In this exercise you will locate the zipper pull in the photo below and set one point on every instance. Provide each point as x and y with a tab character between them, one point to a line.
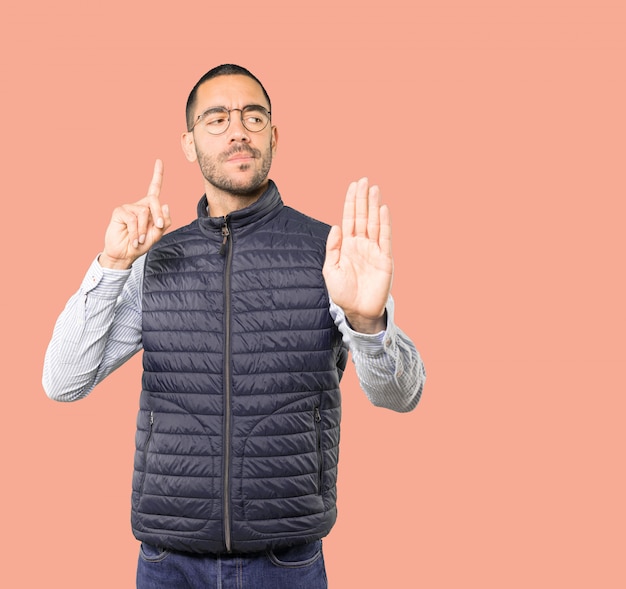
318	417
225	235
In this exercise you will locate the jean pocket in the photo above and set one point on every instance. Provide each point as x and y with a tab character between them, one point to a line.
296	556
151	553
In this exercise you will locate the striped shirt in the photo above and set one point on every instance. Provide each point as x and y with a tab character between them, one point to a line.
100	328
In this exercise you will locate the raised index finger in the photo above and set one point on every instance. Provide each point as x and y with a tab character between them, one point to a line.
154	192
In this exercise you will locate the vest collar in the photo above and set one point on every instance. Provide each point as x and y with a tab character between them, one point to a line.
270	201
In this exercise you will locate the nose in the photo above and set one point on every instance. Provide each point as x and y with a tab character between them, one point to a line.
236	130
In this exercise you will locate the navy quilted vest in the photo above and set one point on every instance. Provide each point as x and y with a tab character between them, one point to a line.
238	428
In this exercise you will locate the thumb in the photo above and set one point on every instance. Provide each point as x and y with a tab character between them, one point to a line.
165	209
333	246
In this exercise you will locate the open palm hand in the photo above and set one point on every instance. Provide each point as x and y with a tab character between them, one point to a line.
359	267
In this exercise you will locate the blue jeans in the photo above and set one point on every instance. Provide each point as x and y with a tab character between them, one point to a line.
299	567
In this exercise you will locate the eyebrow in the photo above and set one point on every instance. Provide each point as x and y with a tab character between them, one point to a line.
213	109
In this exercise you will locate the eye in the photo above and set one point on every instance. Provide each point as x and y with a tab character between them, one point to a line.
215	120
255	118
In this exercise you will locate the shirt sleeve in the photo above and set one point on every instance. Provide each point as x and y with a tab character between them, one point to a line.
99	330
388	365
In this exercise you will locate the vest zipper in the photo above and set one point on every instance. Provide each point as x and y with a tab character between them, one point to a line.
318	439
227	249
225	235
145	454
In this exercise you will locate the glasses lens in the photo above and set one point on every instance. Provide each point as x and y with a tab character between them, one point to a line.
214	121
254	118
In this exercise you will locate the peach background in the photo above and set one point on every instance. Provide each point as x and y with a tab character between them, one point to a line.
496	131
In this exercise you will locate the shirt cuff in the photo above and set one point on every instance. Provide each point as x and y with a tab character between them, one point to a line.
104	283
370	344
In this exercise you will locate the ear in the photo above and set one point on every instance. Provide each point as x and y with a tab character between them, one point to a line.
274	141
189	146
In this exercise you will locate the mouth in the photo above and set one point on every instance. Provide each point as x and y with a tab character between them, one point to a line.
241	155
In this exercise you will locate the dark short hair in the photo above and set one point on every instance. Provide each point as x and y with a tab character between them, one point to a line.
227	69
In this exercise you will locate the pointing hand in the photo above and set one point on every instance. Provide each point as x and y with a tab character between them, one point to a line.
135	227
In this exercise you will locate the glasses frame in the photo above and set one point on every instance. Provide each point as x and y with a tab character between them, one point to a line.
204	113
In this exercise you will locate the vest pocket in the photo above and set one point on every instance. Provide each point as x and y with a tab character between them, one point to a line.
280	477
317	418
145	455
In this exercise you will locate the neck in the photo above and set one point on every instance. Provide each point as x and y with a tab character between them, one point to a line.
222	203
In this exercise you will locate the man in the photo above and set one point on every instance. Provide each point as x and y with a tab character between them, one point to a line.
245	318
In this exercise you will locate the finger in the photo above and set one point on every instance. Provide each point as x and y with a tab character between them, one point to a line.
347	224
384	239
360	216
143	219
154	192
373	216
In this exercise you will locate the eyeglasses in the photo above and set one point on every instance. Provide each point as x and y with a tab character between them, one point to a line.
217	119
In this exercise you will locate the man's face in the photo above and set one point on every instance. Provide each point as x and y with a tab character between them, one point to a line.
238	160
